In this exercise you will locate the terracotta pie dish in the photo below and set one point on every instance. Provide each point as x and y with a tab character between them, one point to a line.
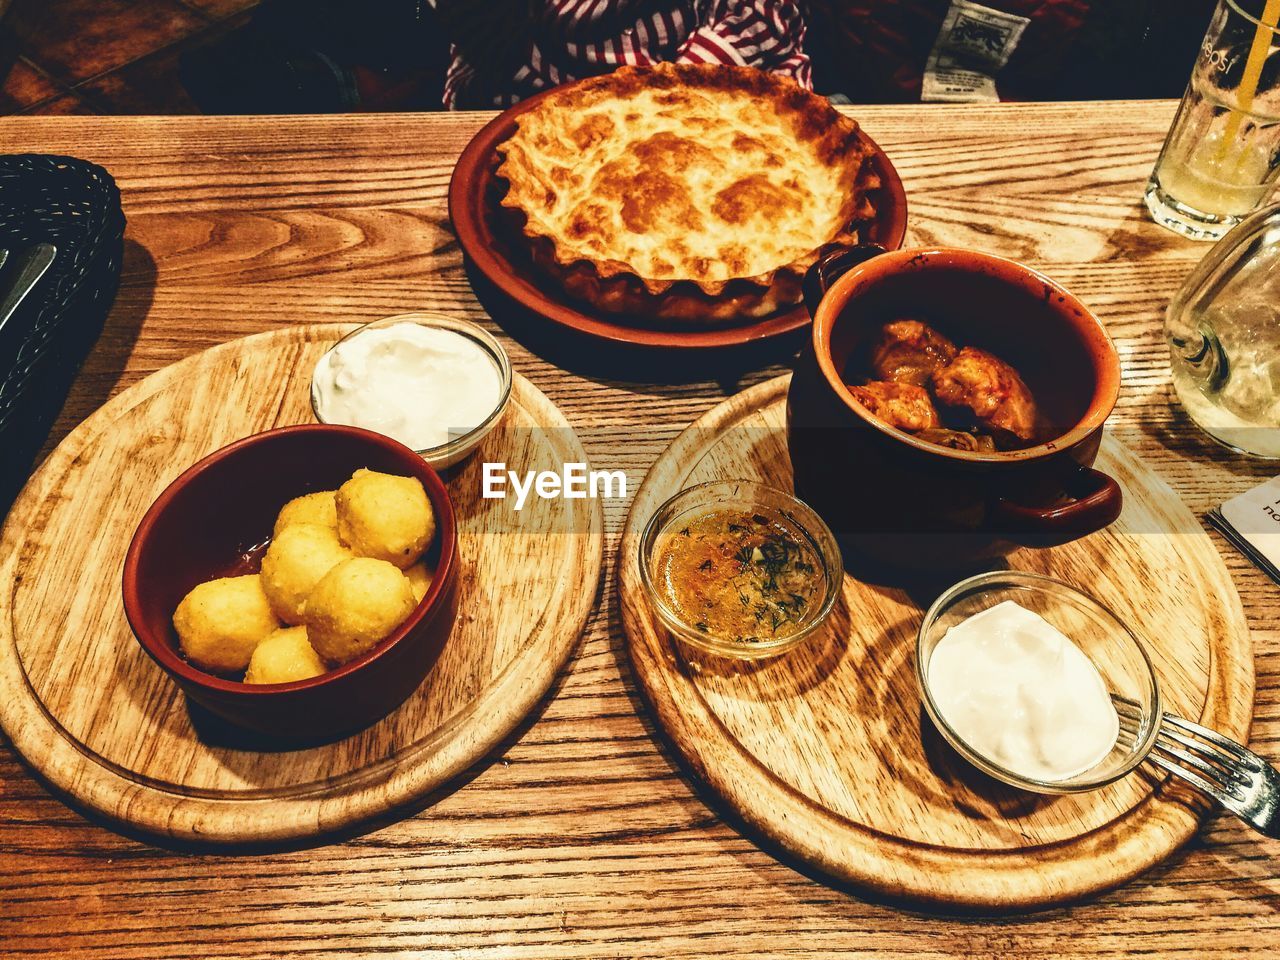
614	303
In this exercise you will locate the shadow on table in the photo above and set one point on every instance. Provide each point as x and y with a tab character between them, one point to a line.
105	363
599	359
1138	237
1180	435
83	389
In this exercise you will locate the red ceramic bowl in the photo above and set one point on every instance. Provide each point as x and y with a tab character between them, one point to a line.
205	522
902	505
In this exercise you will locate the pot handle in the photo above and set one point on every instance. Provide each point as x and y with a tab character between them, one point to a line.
830	266
1096	502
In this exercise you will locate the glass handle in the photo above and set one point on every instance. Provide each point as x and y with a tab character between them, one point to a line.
1206	361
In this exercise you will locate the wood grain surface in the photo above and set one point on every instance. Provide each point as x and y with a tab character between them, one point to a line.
94	715
583	837
825	751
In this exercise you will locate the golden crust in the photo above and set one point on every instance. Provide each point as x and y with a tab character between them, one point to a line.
688	192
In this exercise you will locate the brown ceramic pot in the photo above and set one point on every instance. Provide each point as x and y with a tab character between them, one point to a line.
900	504
225	504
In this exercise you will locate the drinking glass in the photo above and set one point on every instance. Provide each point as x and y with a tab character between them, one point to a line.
1223	328
1222	155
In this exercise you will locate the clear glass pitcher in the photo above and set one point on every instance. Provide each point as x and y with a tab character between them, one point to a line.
1224	338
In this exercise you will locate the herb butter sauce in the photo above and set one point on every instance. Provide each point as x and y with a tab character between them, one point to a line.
741	576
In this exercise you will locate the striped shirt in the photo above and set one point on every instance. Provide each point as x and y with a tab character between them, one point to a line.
570	39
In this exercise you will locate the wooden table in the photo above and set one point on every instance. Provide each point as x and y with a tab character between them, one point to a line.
584	838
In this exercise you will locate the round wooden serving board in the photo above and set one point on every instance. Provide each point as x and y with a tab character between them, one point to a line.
90	711
826	752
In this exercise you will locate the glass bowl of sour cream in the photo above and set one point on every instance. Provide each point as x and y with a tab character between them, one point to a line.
437	384
1021	673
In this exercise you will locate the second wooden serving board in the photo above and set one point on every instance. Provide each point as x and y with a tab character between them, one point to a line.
826	752
99	720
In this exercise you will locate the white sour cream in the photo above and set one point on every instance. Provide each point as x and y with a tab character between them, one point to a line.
1019	692
420	385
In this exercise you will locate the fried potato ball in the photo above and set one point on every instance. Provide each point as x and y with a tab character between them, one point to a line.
420	579
294	563
357	603
221	621
284	656
385	517
316	508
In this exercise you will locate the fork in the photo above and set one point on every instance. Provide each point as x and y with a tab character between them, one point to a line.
1236	777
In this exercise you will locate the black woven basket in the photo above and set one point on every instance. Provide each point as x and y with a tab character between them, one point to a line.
74	205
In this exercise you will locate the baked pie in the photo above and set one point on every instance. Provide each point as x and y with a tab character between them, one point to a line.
696	193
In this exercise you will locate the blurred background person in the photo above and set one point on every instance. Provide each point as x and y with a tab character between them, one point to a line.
312	56
547	42
324	55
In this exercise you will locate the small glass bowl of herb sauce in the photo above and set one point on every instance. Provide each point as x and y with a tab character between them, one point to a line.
740	569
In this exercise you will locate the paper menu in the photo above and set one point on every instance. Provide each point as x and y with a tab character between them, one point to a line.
1251	522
